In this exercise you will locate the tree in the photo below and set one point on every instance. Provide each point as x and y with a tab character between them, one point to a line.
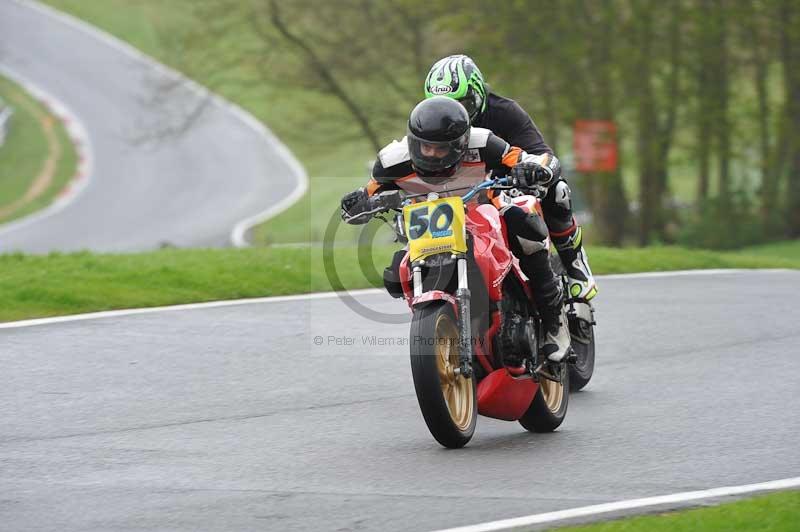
339	48
653	77
789	31
756	35
659	70
565	71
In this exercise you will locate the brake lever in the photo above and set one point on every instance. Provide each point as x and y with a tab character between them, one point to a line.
387	200
365	214
536	191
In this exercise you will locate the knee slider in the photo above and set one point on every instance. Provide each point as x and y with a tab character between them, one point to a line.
563	195
557	207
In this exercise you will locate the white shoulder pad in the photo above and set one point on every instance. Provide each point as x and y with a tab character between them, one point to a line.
394	153
542	159
478	137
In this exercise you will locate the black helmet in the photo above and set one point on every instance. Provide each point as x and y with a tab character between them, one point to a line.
438	138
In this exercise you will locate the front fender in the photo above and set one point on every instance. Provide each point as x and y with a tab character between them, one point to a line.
435	295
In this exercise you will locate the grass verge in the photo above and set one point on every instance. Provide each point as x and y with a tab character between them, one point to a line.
777	512
57	284
38	158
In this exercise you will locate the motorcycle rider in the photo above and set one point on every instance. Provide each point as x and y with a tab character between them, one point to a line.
458	77
441	152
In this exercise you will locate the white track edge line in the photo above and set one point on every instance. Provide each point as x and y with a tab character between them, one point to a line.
239	232
188	306
313	295
631	504
77	134
680	273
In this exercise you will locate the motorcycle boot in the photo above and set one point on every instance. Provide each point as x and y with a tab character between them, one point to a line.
576	263
549	298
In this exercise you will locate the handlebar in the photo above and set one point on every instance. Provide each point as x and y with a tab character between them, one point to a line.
485	185
391	200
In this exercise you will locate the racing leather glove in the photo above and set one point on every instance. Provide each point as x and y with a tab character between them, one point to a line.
354	203
530	174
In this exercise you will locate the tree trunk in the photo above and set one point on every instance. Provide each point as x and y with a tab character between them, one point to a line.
667	129
609	191
769	178
654	133
707	111
722	123
790	56
757	31
646	124
704	123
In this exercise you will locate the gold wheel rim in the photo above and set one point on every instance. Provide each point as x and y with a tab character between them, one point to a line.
456	389
553	393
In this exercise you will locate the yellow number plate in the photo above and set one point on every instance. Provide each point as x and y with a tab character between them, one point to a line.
435	226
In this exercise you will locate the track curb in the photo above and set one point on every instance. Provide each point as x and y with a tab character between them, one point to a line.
78	135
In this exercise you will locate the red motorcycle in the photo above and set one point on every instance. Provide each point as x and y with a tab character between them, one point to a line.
472	310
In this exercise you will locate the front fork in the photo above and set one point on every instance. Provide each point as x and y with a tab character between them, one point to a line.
464	314
464	319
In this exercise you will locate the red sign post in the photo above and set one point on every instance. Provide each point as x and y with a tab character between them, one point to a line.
595	146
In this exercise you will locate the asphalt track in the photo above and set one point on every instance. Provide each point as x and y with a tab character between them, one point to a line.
232	418
147	189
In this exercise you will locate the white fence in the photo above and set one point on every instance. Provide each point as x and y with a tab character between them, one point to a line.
5	119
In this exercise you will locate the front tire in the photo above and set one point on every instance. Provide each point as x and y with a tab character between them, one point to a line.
448	401
549	406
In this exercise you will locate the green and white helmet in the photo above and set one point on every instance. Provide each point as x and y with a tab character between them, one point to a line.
458	77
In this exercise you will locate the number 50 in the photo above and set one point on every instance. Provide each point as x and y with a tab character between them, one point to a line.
440	220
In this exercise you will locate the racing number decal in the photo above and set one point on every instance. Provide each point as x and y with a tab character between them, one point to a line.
439	222
435	226
418	223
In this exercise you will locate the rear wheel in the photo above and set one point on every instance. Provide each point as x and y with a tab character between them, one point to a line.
583	344
447	400
549	406
582	333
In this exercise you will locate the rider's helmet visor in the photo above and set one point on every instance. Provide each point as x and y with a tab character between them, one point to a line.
473	103
434	157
